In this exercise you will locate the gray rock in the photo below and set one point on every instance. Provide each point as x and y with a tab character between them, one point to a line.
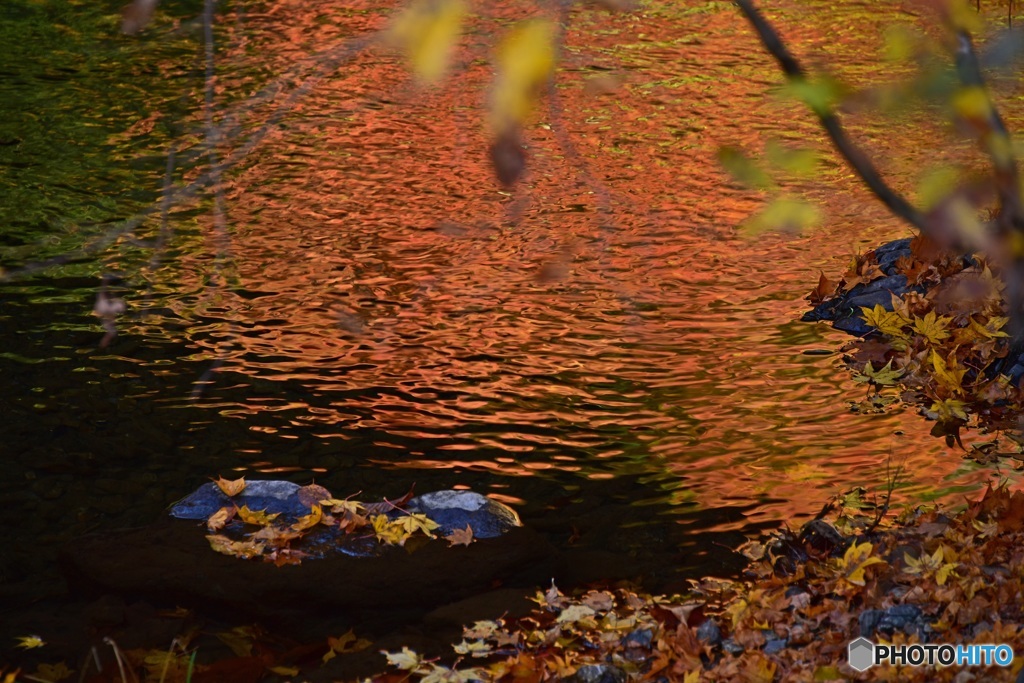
270	495
599	673
709	632
451	510
908	619
774	644
454	510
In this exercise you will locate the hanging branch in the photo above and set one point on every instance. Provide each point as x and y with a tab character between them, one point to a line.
993	134
850	152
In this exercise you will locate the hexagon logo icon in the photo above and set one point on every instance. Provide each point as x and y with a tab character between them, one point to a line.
861	654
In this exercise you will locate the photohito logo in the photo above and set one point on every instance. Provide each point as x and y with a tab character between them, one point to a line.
864	654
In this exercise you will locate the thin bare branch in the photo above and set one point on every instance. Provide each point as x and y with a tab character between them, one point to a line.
853	155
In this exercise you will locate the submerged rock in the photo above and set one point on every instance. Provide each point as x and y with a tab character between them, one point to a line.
274	496
172	562
454	510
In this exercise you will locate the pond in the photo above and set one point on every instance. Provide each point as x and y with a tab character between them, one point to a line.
600	348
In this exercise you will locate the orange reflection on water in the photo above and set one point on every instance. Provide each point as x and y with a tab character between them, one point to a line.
392	288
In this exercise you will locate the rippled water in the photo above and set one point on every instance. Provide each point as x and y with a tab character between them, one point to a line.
600	348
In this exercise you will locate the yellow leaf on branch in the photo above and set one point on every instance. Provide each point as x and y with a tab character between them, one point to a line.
525	61
427	32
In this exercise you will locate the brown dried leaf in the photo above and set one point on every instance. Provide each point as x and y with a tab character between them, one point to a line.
312	494
230	487
460	537
219	519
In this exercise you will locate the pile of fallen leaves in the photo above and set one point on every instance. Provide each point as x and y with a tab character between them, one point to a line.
942	341
928	577
259	534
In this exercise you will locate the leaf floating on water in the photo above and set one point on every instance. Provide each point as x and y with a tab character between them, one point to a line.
460	537
406	660
230	487
313	494
345	643
30	642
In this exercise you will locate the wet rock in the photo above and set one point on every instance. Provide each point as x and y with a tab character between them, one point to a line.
907	619
774	644
599	673
709	633
732	647
888	254
844	311
454	510
270	495
171	563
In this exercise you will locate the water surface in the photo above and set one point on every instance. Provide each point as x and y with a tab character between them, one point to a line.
600	348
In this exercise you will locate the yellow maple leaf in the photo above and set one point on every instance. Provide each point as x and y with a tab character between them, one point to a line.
526	58
991	329
309	521
258	517
932	327
856	559
886	322
230	487
389	531
884	376
30	642
949	372
353	507
949	409
418	522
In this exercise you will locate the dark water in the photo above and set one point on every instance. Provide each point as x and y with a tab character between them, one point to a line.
600	349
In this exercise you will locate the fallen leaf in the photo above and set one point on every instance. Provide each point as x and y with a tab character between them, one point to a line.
309	521
460	536
407	660
241	549
220	518
257	517
29	642
53	672
312	494
230	487
346	642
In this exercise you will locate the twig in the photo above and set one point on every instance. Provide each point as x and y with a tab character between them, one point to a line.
850	152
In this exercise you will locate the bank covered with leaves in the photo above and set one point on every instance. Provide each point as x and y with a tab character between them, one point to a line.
927	577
